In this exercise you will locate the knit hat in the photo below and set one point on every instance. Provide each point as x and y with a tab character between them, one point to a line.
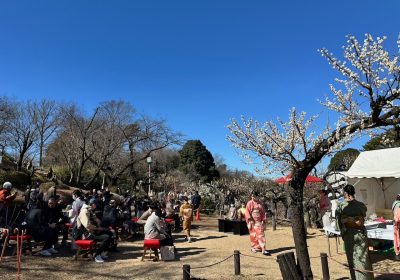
7	185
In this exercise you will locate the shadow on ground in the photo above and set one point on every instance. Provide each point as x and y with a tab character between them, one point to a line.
188	251
278	250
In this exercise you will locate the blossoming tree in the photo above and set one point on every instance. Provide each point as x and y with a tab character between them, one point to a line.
366	98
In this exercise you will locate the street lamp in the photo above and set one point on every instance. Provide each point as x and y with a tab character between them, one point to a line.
149	161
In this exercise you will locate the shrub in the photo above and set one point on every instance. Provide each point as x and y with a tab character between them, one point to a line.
17	178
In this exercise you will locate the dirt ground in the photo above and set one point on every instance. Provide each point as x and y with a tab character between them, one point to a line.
209	247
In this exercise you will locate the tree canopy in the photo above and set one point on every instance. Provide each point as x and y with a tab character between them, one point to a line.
388	139
342	160
197	162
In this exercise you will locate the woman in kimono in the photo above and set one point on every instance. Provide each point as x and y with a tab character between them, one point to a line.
256	222
396	227
186	213
350	218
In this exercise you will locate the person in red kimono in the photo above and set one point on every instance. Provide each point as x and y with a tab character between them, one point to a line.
256	222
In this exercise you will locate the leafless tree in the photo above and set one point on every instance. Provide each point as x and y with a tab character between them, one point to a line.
111	141
22	132
46	122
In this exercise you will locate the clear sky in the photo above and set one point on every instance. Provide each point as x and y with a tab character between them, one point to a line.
194	63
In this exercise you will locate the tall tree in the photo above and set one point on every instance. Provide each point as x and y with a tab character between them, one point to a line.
79	132
342	160
196	161
46	122
22	133
365	98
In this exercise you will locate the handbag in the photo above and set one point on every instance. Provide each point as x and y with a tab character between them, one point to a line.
167	253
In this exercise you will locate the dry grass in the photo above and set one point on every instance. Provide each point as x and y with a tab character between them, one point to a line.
209	247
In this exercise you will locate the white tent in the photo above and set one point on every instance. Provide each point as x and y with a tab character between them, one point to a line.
375	176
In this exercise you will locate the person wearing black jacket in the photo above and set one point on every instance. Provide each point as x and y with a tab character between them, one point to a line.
52	212
41	230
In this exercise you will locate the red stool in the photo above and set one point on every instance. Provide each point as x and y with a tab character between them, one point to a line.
138	228
21	239
84	245
171	222
150	244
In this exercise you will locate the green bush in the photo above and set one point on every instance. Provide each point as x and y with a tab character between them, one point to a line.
62	173
17	178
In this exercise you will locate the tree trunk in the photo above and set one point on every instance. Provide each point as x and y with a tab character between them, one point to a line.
41	144
71	177
298	228
274	207
19	163
93	179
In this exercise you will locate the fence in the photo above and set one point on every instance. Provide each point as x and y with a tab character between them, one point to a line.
287	264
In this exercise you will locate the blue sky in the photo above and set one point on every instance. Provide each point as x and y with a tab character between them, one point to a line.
194	63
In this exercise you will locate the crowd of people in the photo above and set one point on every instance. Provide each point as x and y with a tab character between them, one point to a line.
101	216
97	215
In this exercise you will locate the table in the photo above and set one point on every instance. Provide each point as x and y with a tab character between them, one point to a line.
372	233
381	233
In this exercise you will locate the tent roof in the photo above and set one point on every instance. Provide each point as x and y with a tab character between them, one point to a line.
376	164
288	178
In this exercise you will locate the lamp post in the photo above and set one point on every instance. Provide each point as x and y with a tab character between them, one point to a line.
149	161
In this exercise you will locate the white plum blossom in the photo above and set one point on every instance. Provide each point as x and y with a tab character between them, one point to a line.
366	97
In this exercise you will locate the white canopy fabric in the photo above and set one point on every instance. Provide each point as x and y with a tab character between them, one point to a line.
374	174
376	164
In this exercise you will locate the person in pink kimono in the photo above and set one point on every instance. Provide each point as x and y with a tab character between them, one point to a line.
396	226
256	222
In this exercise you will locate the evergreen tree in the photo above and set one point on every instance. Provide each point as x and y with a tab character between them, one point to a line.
197	162
389	139
342	160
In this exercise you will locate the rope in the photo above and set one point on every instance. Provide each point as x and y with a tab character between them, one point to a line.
263	258
191	275
363	270
227	258
317	257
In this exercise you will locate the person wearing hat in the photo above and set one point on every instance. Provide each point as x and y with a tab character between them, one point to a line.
350	218
256	222
6	197
93	231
